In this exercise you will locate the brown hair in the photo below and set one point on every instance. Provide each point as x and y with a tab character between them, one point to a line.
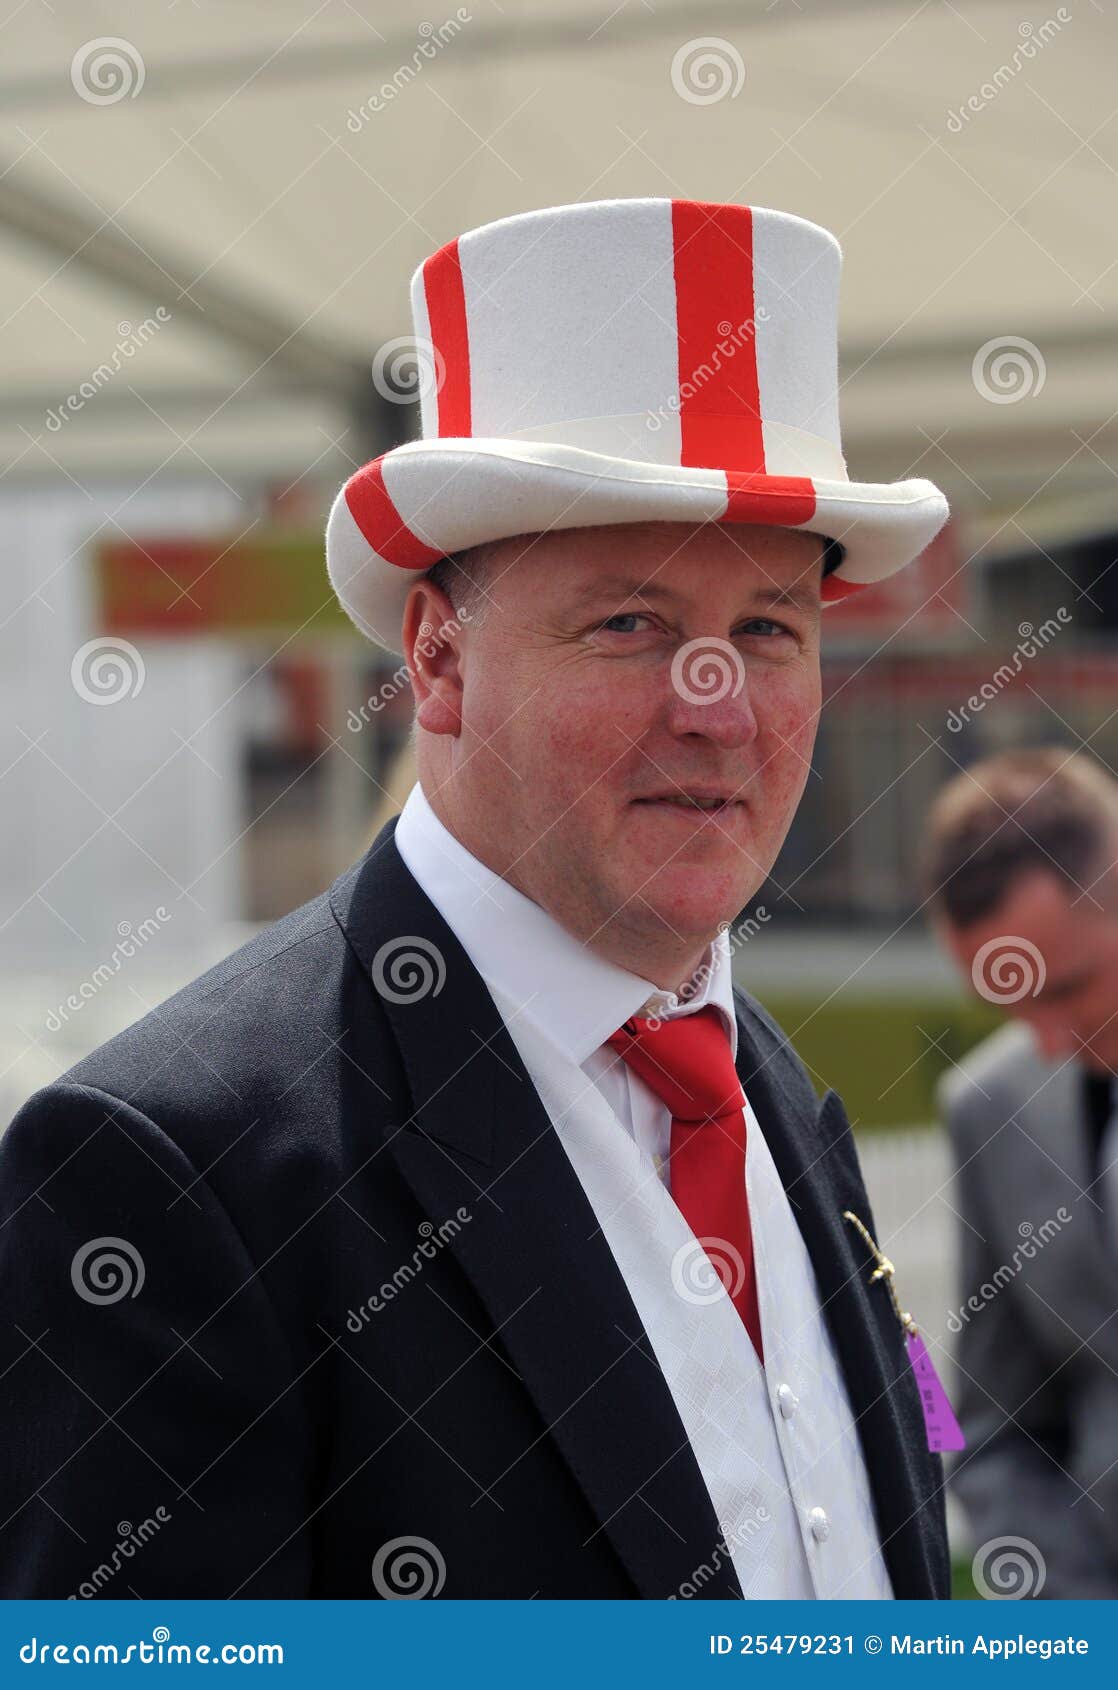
1011	813
462	575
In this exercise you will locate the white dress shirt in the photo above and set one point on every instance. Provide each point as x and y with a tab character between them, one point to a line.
776	1444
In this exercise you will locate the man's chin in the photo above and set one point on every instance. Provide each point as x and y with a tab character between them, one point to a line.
687	904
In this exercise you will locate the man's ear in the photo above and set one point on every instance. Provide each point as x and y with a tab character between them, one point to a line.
431	635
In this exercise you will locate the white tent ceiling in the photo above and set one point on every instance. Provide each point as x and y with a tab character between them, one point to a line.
231	187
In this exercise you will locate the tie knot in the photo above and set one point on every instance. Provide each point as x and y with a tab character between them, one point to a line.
687	1061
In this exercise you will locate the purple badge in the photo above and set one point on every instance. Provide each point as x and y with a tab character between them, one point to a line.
939	1417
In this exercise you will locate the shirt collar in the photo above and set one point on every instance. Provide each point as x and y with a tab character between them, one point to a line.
574	996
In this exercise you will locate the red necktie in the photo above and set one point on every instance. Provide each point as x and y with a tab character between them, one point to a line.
689	1064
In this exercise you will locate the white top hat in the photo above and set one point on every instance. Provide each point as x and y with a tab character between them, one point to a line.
621	361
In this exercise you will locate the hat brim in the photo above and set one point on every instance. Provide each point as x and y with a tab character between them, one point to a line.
401	513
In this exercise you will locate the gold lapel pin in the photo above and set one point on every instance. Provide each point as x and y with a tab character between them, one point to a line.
884	1269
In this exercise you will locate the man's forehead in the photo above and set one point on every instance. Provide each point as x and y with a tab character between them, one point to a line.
665	560
616	586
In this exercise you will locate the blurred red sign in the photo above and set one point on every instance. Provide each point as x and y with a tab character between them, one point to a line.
929	596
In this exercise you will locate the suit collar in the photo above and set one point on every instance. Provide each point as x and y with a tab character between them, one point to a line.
812	1146
478	1135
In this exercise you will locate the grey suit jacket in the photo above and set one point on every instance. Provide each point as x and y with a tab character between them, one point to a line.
1037	1316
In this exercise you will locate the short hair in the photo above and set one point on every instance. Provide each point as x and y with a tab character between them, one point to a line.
462	575
1013	813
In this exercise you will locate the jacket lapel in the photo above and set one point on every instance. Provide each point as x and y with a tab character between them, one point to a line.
813	1149
479	1137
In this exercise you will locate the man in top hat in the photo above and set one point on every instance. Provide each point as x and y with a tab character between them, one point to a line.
468	1232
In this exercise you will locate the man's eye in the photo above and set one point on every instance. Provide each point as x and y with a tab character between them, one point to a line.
621	616
761	626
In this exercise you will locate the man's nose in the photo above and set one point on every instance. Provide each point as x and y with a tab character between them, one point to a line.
709	693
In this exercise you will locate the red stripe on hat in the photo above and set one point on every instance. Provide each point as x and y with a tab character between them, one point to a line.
446	314
720	405
778	501
833	589
381	523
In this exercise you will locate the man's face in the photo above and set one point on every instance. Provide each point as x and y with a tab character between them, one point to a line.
1067	974
617	669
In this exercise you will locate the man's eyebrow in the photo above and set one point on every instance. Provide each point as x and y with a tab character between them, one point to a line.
802	594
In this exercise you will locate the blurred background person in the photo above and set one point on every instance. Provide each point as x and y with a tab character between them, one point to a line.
1021	869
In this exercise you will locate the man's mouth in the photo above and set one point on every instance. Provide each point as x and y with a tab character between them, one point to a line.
713	804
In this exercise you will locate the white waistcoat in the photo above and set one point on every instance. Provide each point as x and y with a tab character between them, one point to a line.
776	1445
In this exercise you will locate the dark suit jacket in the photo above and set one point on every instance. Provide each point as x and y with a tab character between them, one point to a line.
375	1304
